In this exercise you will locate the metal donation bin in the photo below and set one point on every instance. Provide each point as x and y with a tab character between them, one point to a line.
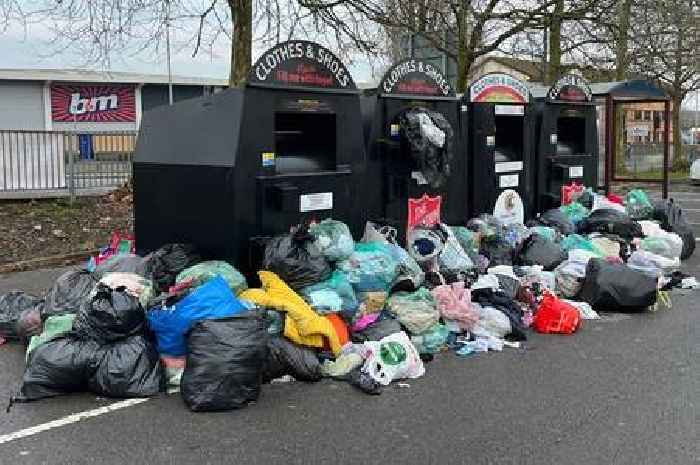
499	125
411	124
567	149
223	170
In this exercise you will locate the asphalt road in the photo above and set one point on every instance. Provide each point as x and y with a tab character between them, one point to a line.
624	390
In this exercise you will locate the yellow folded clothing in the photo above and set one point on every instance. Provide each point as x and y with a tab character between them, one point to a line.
302	325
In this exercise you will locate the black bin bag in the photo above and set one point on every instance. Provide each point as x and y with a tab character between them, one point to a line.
296	260
68	293
110	315
163	265
287	358
557	219
608	221
59	366
14	308
612	287
671	218
536	250
225	363
128	368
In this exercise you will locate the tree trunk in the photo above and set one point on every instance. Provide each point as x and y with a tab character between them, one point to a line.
241	45
554	68
462	72
623	25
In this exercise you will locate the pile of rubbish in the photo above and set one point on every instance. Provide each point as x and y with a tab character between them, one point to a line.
365	312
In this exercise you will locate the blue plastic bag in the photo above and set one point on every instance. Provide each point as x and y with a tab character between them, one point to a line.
371	267
212	300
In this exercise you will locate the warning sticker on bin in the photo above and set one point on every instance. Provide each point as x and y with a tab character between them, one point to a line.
508	180
314	202
575	171
268	158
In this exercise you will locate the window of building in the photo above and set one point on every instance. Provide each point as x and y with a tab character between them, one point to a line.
647	115
637	115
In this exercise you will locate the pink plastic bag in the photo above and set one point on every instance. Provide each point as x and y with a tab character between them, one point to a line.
454	301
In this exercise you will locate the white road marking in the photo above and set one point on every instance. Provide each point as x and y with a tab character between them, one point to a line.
70	419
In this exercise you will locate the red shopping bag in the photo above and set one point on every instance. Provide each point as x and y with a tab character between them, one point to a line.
554	316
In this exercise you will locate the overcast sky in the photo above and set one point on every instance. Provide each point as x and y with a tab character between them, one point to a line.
29	48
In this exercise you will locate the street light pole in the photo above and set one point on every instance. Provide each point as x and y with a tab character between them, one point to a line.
167	46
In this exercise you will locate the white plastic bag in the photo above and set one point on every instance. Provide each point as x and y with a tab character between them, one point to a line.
600	202
434	134
392	358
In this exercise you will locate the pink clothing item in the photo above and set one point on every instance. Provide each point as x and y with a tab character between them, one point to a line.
364	322
454	303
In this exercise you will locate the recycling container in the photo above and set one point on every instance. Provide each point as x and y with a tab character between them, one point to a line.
567	148
499	127
412	129
224	170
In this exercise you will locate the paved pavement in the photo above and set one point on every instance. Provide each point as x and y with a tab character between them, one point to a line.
624	390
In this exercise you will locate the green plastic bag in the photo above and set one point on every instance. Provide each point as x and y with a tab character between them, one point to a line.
332	295
575	241
371	267
333	239
53	326
431	341
638	205
468	239
417	311
544	231
205	271
575	211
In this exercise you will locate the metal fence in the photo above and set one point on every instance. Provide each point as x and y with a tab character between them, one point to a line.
61	163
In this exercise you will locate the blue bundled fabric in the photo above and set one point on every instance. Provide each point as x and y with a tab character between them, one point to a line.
214	299
371	267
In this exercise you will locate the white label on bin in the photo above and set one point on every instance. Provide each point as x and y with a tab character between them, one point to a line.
268	159
490	141
553	139
464	108
419	177
394	130
313	202
508	166
510	110
575	171
508	180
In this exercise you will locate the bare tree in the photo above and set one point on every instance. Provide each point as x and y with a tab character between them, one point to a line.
100	29
665	46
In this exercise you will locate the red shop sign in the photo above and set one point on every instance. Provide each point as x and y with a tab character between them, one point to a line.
93	103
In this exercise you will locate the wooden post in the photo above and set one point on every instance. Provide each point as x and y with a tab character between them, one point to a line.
667	147
609	142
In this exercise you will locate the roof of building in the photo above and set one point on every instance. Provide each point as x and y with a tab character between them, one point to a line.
115	77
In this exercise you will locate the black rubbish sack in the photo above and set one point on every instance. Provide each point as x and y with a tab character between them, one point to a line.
612	287
378	330
68	293
497	250
506	305
59	366
163	265
128	368
362	381
287	358
110	315
671	218
125	263
296	260
224	363
16	307
608	221
430	137
537	250
557	219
